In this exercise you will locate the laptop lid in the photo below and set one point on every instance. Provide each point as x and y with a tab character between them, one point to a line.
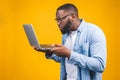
28	28
30	33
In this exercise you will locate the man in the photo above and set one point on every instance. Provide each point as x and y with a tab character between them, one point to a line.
83	53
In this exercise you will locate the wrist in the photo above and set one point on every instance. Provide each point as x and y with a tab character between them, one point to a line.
68	54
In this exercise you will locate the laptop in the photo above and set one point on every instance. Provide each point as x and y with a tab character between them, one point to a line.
32	38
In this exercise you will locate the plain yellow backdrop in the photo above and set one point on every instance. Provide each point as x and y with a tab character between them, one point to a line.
19	61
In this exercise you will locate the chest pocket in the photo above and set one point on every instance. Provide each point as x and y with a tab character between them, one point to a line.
82	44
84	48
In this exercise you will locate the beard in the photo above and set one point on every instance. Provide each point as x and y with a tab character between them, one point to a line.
67	27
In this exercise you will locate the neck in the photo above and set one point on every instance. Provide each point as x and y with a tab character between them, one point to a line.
76	24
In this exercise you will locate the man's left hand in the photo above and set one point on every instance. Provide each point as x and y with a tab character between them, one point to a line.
61	50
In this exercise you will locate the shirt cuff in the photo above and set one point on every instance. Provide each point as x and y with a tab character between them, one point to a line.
73	58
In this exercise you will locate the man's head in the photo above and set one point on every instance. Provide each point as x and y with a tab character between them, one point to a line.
67	18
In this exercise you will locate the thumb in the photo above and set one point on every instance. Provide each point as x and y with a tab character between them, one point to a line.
58	45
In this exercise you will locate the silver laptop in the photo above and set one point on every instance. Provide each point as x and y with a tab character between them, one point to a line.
30	33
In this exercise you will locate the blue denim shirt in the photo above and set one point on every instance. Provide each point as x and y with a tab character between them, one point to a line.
89	53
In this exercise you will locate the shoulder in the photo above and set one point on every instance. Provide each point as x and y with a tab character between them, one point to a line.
92	32
87	27
93	27
95	32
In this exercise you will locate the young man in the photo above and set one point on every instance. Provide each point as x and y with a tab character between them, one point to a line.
83	51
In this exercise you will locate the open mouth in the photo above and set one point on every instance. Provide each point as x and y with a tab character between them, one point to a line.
60	28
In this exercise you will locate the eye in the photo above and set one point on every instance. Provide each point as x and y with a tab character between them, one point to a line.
60	19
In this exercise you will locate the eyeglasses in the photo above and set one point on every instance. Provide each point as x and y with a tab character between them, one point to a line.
60	19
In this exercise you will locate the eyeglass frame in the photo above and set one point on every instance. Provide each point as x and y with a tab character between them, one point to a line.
60	19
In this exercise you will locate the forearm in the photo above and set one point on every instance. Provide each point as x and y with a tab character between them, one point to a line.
92	63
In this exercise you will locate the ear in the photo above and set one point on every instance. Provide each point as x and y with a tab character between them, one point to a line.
72	17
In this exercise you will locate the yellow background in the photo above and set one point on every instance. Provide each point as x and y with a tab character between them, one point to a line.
18	60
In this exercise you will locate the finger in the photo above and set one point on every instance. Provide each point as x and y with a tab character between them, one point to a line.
52	45
34	47
54	49
58	45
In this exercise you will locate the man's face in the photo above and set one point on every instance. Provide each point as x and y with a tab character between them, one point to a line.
63	21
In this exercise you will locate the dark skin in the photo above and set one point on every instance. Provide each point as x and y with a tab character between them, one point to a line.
58	49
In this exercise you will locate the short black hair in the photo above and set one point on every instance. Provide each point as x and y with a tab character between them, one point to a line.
68	7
